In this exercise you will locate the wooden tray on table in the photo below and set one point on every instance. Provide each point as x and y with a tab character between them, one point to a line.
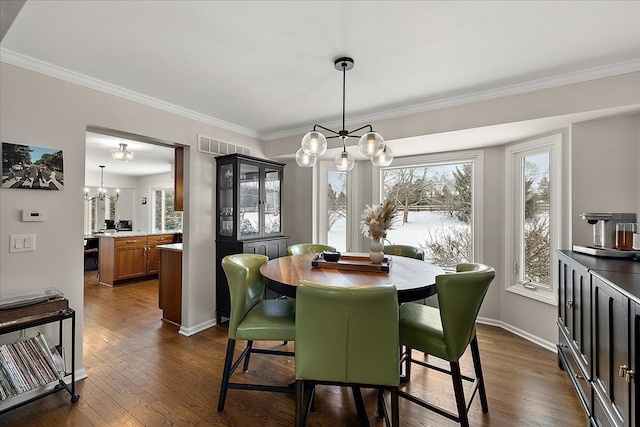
352	261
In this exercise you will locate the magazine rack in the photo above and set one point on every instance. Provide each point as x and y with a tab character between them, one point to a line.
38	320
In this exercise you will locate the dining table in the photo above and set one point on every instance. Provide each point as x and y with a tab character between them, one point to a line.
414	279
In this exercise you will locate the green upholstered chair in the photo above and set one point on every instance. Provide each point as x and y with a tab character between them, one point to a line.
253	319
405	251
448	331
347	337
308	248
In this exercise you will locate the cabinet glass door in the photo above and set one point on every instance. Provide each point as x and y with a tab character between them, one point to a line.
272	201
249	187
225	199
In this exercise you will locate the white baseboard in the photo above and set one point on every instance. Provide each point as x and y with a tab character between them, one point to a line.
484	320
187	332
519	332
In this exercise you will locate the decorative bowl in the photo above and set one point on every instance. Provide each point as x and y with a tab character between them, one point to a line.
331	256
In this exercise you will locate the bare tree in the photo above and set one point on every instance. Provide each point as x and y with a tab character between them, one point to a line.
337	206
448	246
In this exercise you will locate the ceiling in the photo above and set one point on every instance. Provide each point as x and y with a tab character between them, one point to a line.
149	159
265	68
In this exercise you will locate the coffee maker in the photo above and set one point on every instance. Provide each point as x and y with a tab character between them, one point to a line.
604	235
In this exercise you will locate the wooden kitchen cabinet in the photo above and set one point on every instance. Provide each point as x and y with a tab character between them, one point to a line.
153	255
131	257
170	283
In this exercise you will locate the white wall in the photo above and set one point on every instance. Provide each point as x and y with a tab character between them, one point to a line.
605	170
44	111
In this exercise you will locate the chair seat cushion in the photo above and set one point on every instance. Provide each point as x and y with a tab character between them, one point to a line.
269	320
421	328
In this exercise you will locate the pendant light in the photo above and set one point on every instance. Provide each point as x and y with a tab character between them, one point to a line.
314	143
383	159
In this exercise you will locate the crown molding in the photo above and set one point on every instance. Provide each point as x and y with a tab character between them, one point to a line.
51	70
610	70
32	64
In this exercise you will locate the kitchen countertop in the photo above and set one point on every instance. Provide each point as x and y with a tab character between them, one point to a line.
177	247
134	233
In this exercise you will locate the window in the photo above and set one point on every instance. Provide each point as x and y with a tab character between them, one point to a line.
163	216
334	207
337	210
438	201
533	216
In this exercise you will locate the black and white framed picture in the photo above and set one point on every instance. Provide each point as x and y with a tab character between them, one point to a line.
31	168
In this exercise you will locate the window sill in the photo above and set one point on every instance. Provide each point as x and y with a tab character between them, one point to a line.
544	296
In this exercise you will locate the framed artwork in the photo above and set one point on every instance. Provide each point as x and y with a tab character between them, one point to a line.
28	167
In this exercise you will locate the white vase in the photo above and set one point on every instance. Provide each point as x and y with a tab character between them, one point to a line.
375	251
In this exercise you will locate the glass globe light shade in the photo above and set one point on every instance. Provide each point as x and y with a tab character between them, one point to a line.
314	143
305	160
371	144
345	162
384	158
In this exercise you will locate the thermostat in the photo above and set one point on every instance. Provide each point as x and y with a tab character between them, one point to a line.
33	216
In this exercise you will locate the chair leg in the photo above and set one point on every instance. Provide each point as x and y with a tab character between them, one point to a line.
381	408
407	366
475	353
300	405
360	409
226	373
459	392
245	367
395	410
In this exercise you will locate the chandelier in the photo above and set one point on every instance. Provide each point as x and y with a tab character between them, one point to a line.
102	192
371	144
122	153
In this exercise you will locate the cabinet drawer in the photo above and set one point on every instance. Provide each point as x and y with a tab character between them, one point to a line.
576	374
601	416
124	242
161	239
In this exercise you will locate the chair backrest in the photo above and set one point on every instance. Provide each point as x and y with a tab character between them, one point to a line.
460	296
308	248
246	286
405	251
347	335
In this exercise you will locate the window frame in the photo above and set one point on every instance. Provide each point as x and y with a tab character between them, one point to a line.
154	200
514	217
476	158
323	169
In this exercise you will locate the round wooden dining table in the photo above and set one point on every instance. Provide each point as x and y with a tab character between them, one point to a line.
414	279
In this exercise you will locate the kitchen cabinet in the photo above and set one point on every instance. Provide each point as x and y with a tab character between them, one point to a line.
249	220
170	282
130	257
599	335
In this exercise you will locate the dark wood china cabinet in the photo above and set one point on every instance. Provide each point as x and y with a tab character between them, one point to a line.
249	215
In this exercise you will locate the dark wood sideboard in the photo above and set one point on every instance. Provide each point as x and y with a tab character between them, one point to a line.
599	334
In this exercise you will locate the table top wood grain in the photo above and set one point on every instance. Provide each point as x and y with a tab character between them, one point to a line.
413	278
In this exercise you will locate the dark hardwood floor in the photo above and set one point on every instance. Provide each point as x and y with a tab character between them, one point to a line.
141	372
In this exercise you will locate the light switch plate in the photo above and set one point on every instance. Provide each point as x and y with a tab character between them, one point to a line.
22	243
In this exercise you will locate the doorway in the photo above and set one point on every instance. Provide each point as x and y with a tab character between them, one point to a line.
122	196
